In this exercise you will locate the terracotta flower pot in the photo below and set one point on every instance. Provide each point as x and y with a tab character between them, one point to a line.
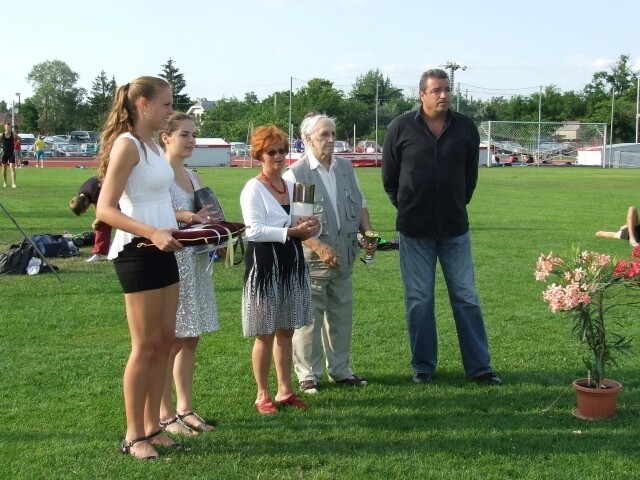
596	403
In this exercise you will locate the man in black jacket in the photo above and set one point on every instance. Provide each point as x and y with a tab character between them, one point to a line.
429	171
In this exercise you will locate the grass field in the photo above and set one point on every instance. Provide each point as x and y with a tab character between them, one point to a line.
63	346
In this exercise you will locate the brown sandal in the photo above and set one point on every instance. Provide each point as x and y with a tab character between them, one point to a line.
200	427
173	446
125	448
178	421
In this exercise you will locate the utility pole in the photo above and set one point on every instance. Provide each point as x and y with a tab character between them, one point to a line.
18	111
46	114
637	106
377	102
452	67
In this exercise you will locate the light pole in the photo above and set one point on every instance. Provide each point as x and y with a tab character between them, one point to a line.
452	67
18	95
637	106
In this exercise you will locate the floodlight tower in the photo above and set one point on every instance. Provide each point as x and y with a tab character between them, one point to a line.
452	67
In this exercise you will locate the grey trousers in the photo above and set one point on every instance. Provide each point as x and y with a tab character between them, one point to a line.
332	300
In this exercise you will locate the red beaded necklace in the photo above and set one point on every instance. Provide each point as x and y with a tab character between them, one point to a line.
284	185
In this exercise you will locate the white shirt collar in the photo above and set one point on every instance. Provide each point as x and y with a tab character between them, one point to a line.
314	163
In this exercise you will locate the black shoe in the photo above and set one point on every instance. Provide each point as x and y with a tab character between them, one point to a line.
354	381
488	378
422	377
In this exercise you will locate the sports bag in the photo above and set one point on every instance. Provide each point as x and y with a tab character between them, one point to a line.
15	260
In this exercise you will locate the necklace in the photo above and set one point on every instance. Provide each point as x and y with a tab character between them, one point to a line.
284	185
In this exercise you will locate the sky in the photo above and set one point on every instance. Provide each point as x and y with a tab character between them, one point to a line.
226	48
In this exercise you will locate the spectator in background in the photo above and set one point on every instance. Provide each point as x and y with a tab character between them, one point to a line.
630	231
88	195
39	147
8	156
17	147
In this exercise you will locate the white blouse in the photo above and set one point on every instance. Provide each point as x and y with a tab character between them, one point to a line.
263	215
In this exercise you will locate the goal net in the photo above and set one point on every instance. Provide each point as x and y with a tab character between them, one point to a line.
543	143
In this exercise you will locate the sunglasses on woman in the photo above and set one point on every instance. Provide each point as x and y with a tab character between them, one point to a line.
274	152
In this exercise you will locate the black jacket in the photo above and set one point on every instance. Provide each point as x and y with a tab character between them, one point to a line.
430	181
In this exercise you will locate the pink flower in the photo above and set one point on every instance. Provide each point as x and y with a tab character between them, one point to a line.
545	265
587	288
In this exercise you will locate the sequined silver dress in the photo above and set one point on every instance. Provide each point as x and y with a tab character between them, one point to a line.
197	310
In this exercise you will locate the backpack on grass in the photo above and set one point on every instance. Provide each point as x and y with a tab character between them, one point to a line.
15	260
52	245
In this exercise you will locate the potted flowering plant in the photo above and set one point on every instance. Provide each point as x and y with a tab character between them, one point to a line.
590	287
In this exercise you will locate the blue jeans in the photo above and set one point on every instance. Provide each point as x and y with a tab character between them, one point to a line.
418	257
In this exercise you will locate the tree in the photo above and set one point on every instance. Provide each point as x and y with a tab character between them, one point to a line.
55	95
100	100
30	115
175	79
620	83
364	89
228	119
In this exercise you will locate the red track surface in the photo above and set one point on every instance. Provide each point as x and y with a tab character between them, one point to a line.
87	162
357	159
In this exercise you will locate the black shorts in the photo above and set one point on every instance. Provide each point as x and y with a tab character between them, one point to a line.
10	158
624	233
142	269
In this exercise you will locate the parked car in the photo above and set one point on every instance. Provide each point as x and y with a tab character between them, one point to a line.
551	147
510	147
89	149
340	146
57	148
367	146
83	136
71	150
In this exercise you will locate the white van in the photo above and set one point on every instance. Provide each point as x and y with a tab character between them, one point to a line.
28	139
238	149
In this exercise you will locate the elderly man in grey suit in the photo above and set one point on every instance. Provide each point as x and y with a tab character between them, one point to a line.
342	210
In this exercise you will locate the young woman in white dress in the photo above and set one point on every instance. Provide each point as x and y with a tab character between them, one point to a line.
136	176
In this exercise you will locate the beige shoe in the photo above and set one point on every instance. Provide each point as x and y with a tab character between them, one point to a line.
96	258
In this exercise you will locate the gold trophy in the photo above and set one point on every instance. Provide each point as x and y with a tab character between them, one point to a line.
371	237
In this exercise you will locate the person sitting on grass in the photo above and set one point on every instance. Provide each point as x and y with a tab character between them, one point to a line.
630	231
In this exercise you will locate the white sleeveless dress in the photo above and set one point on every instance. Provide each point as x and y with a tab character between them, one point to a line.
146	195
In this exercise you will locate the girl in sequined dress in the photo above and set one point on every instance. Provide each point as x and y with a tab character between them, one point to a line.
197	311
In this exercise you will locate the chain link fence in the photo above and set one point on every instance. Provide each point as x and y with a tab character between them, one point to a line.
542	143
621	158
